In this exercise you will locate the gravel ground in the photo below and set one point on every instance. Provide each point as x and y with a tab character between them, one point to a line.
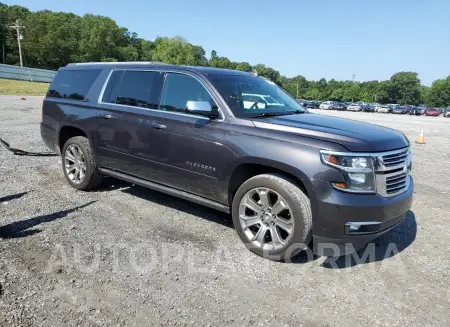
127	256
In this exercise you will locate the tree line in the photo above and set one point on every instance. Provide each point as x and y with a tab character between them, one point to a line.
53	39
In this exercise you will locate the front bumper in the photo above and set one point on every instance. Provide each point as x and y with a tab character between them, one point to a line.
335	211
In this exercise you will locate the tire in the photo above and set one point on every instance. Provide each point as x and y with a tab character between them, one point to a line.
92	177
298	204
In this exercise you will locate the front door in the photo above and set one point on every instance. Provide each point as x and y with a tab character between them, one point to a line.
188	147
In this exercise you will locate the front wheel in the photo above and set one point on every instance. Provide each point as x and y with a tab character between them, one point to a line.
272	216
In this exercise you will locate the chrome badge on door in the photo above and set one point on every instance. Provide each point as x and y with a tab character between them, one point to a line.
199	165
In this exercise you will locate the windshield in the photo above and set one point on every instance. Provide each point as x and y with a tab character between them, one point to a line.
250	95
269	99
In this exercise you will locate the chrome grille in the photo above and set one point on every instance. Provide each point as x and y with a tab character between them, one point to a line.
395	183
395	159
392	172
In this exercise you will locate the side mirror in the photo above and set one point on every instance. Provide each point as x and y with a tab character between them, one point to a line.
202	108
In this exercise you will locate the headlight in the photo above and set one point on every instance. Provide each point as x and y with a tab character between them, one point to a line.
358	171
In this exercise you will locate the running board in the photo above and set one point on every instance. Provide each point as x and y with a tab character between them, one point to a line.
165	189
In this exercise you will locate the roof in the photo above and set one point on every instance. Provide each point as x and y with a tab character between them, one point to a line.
149	64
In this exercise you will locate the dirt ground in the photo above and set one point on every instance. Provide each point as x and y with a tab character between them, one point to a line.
126	256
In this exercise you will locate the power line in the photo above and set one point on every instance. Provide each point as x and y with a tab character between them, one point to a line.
17	27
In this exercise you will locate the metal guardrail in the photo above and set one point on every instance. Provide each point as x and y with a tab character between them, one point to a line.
26	74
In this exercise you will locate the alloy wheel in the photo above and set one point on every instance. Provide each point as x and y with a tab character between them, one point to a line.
75	164
266	219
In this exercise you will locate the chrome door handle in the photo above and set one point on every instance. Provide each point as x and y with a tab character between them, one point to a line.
105	116
158	126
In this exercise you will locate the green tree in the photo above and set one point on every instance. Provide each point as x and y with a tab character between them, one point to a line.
352	93
405	88
243	66
178	51
383	92
439	94
268	72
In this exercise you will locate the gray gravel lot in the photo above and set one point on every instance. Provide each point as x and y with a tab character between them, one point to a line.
127	256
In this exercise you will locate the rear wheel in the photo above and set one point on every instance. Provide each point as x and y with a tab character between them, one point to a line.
272	216
79	166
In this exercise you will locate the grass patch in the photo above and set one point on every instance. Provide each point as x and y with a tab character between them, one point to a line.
13	87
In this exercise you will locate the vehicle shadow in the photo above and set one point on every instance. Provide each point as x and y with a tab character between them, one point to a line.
12	197
21	228
384	247
179	204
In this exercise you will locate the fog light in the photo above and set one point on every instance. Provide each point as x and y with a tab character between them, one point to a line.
354	228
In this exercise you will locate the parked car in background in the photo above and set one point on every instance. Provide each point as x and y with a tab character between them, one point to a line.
354	107
327	105
368	107
314	104
399	110
339	106
447	112
432	112
377	107
302	102
416	111
383	109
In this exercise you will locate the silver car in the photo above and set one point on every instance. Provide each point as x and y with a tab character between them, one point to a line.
383	109
354	107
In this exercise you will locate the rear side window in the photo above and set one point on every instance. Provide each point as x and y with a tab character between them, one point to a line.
179	89
133	88
73	84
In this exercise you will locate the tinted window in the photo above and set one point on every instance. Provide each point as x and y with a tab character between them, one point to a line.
134	88
73	84
111	88
179	89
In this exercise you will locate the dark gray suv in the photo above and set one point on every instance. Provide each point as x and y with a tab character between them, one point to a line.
234	142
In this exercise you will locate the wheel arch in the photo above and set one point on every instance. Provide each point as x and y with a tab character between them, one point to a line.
68	131
252	166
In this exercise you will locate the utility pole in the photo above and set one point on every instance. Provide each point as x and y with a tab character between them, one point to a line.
353	81
17	27
297	90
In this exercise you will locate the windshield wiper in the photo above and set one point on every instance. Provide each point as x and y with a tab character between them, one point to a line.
273	114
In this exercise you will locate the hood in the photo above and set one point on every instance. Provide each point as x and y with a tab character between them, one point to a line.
355	136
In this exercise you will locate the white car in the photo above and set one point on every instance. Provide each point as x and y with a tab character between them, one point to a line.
326	105
383	109
258	101
354	107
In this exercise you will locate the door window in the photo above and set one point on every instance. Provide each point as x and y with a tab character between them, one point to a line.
134	88
179	89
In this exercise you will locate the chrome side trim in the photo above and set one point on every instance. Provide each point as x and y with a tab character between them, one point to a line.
166	189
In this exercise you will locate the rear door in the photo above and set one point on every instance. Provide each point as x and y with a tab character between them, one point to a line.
125	116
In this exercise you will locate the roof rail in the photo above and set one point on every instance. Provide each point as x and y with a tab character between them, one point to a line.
118	63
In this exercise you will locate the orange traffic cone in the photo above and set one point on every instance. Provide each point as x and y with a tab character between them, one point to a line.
420	139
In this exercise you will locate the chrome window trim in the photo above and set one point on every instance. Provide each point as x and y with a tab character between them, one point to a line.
100	98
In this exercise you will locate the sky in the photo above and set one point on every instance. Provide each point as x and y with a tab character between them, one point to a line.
313	38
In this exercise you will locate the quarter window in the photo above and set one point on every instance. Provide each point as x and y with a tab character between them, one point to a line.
73	84
179	89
